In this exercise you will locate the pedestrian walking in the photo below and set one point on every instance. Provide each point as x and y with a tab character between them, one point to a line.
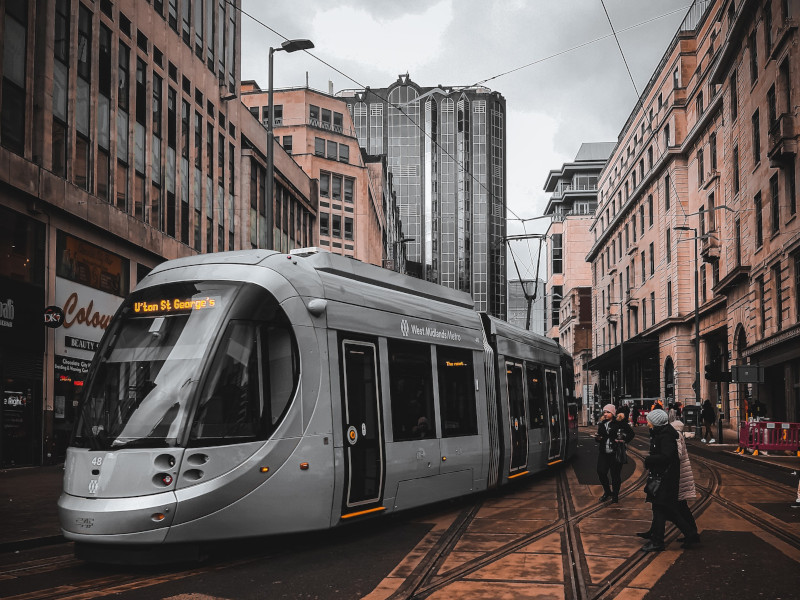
709	416
612	435
686	489
672	413
796	503
663	481
635	416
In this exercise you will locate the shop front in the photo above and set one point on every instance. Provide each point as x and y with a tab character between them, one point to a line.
89	287
22	337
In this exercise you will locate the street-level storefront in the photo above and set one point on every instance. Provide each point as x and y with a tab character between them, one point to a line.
640	360
90	285
22	301
779	355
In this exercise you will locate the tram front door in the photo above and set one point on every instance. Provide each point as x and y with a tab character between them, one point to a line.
362	423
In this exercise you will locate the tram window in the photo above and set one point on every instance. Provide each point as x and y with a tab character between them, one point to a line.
536	398
411	383
250	384
456	392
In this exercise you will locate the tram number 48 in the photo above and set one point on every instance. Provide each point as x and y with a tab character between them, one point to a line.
97	461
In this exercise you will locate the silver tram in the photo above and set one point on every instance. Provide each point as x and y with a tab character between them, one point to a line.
254	393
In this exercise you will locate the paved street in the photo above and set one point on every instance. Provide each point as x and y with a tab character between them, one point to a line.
547	537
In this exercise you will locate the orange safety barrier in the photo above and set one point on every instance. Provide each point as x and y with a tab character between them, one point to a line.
769	436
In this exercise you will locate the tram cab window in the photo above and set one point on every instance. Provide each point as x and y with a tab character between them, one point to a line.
411	384
250	384
456	391
537	401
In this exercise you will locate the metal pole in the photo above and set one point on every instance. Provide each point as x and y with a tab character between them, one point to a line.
270	200
621	355
696	324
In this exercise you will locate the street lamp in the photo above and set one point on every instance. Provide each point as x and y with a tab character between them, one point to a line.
696	384
399	246
621	353
287	46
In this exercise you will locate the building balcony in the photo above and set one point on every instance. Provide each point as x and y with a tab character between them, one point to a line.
710	249
782	143
633	247
612	313
630	300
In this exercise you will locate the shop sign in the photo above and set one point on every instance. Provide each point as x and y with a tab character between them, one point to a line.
71	368
87	313
90	265
53	317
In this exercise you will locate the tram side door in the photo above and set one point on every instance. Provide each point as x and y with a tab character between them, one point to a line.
518	419
554	415
362	427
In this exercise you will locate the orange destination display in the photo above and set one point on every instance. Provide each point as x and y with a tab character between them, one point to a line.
174	305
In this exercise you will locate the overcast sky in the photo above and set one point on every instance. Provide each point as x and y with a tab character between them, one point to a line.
583	94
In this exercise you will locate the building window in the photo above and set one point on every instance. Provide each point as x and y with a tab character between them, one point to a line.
768	27
669	298
791	185
12	116
751	46
557	256
702	220
644	272
650	208
712	150
775	203
333	148
756	139
344	153
700	167
652	308
336	226
348	228
703	283
759	220
287	143
336	189
762	304
699	106
736	170
652	259
734	97
349	185
319	146
776	284
323	223
641	217
666	194
555	305
669	246
772	108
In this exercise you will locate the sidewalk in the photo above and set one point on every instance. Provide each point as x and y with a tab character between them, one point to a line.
28	497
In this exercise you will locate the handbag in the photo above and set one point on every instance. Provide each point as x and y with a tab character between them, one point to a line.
653	484
621	453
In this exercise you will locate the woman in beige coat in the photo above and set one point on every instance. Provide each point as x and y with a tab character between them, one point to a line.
686	490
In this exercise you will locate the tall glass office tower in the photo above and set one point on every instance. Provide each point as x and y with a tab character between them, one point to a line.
446	151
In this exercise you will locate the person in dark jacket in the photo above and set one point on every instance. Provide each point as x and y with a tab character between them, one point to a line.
664	462
709	416
611	431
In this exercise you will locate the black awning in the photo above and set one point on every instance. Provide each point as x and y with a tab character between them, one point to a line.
633	350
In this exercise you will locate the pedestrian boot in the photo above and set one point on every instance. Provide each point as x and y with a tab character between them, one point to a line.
652	546
605	497
644	534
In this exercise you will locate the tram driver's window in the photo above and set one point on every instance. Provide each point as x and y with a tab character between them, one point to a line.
536	397
250	384
411	383
456	391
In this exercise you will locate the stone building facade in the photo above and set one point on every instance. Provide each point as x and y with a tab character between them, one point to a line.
123	143
699	201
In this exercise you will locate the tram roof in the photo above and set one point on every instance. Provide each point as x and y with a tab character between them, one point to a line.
512	332
326	262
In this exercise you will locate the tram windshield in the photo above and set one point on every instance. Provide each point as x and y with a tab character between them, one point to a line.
222	355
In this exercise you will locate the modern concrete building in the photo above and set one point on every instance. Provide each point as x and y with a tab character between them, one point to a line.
122	143
446	152
701	187
518	304
572	204
317	130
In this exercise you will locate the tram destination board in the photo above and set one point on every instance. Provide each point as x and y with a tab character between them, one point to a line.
168	306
